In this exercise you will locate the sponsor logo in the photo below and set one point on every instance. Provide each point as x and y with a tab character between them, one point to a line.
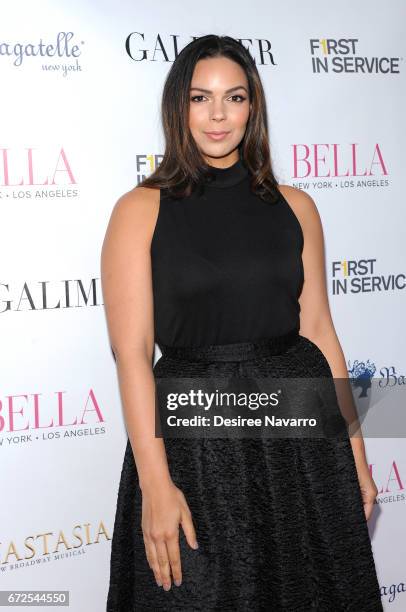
344	56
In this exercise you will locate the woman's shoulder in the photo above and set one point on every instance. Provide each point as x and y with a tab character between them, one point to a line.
135	213
296	197
139	198
302	205
139	202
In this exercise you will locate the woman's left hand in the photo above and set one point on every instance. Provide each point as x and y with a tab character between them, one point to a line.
369	491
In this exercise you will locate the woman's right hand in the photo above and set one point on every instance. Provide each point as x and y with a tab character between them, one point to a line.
164	507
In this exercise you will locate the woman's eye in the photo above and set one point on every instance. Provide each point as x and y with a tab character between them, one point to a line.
242	98
238	96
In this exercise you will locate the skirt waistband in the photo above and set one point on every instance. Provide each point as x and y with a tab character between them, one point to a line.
235	351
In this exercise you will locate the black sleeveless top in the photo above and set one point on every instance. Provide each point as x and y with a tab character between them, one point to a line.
226	265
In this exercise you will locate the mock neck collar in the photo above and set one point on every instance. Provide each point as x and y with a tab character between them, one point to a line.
226	177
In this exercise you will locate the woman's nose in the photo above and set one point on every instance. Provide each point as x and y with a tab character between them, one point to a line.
217	110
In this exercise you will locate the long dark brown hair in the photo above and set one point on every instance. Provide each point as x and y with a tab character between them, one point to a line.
183	167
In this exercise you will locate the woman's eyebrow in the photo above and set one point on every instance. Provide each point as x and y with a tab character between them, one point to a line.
227	90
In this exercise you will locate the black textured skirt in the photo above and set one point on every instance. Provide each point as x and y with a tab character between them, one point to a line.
280	522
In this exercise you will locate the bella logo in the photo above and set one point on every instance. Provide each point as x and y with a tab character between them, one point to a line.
27	412
335	160
392	482
30	169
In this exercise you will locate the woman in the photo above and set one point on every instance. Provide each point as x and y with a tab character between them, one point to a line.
220	266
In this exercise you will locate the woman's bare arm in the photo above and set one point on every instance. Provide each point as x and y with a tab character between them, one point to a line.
316	324
127	290
127	294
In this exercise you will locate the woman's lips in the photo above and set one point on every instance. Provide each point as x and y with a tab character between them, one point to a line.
217	135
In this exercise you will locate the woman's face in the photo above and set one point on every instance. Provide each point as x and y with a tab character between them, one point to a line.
218	103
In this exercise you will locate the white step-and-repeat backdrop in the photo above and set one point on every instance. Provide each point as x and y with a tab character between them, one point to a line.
81	84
